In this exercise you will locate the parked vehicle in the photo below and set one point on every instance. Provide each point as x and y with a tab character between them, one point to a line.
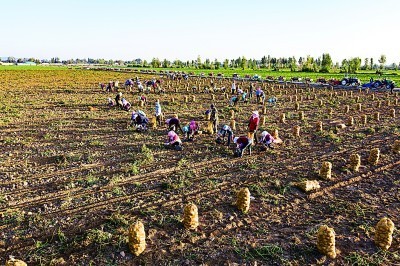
256	78
334	82
295	79
322	80
350	81
379	84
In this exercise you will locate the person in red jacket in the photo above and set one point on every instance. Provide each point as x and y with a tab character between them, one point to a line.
242	143
253	125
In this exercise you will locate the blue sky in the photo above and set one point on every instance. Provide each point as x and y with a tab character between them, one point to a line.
177	29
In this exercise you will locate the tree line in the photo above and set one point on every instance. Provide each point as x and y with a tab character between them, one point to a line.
322	64
306	64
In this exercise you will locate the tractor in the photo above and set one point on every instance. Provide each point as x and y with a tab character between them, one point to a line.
350	81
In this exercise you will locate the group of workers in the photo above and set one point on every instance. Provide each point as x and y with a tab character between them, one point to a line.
224	135
120	102
239	95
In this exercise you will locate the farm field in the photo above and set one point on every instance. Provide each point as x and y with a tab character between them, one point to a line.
74	177
363	75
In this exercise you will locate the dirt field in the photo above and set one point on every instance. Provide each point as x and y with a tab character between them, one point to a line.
74	177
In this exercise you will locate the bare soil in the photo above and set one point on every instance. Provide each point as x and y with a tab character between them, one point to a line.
74	177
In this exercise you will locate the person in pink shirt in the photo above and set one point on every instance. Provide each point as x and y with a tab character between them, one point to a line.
174	141
193	130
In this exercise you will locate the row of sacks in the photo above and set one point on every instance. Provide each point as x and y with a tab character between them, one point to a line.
325	237
325	171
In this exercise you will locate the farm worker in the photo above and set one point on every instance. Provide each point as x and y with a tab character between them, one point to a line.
110	102
272	101
134	116
116	84
102	86
129	84
109	88
224	131
239	90
244	94
260	95
233	88
143	99
173	140
267	140
118	99
192	130
242	143
158	113
174	124
186	130
140	86
253	125
139	118
125	104
251	88
214	117
233	101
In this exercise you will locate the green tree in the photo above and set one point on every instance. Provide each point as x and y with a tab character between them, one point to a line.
226	63
243	63
382	61
264	61
366	64
11	59
165	63
354	64
308	65
198	61
155	62
345	66
217	64
207	64
326	63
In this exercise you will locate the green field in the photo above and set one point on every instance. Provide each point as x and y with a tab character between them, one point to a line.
364	76
38	67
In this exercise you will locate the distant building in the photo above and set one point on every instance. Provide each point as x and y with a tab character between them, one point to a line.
27	63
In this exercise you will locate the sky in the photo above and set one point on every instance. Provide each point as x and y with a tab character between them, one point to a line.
184	29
